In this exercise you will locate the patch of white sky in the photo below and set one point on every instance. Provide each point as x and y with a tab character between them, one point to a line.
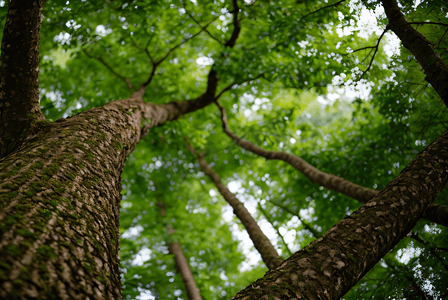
287	231
365	26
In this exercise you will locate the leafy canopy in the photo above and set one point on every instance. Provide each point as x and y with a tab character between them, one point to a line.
301	78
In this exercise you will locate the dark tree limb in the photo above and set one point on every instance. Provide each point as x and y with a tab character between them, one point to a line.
374	53
155	115
323	7
236	26
19	81
329	181
429	23
435	69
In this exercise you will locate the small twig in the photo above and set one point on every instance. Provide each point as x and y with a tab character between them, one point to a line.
323	7
440	41
266	215
205	30
429	23
374	53
101	60
186	40
234	83
305	225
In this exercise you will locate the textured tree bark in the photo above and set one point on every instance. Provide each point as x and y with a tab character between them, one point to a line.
331	265
60	182
435	212
261	242
420	47
19	85
60	195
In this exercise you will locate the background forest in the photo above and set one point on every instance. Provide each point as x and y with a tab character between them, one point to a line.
326	81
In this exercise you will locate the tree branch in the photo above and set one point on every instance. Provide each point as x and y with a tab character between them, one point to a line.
197	22
181	262
156	115
308	227
435	69
324	7
236	26
374	53
430	249
435	212
261	242
155	64
235	83
347	251
429	23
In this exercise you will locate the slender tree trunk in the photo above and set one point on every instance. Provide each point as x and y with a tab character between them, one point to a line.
181	262
263	245
184	270
331	265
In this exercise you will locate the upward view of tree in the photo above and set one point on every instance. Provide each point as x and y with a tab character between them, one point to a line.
143	143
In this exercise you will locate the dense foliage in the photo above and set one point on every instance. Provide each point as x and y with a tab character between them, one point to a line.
316	79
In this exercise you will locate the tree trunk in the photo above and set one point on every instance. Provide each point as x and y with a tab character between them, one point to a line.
184	270
420	47
60	200
182	266
261	242
331	265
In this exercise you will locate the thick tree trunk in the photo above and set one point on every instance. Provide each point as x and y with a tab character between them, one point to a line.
60	195
60	200
331	265
59	215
